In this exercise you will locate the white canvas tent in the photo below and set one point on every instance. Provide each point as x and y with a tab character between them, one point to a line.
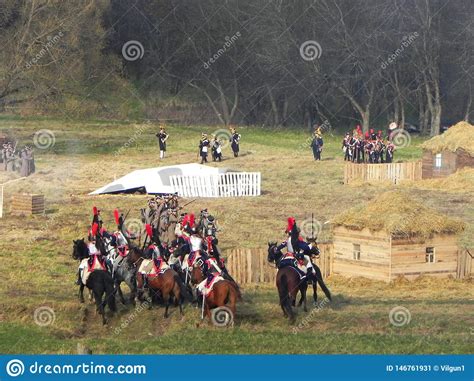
187	180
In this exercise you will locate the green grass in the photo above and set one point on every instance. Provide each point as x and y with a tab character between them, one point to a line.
38	269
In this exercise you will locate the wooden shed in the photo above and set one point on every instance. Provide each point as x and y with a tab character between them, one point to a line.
446	153
393	236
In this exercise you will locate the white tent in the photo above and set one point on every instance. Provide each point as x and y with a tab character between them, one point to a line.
159	180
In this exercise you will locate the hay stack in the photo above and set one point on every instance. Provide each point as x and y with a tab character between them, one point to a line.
459	136
460	181
396	213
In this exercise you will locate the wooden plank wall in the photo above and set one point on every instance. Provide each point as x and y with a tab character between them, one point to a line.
250	266
395	172
465	267
409	258
448	164
27	204
374	260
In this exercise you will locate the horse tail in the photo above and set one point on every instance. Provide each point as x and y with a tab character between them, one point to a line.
182	288
285	295
236	288
319	277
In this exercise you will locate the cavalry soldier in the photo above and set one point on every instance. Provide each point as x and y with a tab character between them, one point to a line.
162	138
235	141
297	249
204	148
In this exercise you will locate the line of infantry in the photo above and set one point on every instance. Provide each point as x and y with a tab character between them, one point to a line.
13	161
370	147
212	143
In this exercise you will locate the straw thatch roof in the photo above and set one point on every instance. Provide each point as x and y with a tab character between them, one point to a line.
399	215
459	136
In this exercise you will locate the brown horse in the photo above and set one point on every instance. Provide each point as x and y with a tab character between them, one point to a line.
288	283
224	293
167	284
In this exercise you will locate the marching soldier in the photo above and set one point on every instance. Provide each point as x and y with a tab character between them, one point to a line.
216	149
235	141
162	138
204	148
317	144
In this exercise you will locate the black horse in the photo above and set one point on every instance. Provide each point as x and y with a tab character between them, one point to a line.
275	255
100	282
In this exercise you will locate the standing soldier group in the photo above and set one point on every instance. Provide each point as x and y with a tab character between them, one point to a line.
206	145
367	148
24	161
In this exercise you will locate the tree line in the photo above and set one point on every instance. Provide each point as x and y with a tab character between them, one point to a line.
260	62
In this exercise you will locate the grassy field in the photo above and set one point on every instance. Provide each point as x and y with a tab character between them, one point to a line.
37	269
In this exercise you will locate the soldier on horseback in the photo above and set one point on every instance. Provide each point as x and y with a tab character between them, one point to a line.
298	251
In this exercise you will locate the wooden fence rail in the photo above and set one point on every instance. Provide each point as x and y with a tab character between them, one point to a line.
394	172
232	184
251	266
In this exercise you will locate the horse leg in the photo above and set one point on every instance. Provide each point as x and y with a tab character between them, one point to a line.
166	299
315	291
303	296
81	293
120	293
99	304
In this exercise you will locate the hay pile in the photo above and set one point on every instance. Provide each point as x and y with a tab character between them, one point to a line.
458	136
460	181
398	214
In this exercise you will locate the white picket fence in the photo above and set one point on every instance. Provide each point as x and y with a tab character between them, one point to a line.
232	184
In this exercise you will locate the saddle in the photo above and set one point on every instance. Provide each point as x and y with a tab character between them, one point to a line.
209	283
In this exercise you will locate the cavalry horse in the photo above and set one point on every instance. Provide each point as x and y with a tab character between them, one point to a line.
289	282
224	293
168	283
100	282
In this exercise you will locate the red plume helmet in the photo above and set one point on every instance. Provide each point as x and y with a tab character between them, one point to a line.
95	228
149	230
185	220
95	211
191	220
291	223
116	216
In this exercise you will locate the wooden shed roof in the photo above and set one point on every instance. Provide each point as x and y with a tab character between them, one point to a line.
459	136
399	215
